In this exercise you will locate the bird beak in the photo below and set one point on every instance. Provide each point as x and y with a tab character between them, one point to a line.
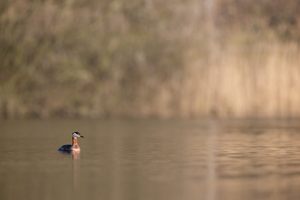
82	136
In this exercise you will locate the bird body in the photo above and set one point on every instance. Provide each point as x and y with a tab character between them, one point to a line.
74	146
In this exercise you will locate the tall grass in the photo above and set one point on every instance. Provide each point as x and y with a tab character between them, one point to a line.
263	82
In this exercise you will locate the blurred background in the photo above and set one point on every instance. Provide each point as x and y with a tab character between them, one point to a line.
149	58
170	96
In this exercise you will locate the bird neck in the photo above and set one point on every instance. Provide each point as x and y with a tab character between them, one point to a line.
75	142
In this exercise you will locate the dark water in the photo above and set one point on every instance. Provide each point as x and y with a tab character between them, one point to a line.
150	160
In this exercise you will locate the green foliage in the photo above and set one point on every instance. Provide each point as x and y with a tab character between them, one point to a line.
115	58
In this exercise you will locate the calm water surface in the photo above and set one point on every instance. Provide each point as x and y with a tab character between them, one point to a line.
135	160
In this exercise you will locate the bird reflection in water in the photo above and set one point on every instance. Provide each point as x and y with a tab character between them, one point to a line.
75	155
76	170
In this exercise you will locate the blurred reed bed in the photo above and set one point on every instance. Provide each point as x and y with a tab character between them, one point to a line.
215	58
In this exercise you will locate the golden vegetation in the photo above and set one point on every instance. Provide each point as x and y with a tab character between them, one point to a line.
211	58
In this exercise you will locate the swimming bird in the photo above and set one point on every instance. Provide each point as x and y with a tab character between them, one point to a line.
74	146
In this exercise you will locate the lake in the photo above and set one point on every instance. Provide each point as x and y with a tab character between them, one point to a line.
150	159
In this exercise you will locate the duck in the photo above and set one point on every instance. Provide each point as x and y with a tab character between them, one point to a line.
74	147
